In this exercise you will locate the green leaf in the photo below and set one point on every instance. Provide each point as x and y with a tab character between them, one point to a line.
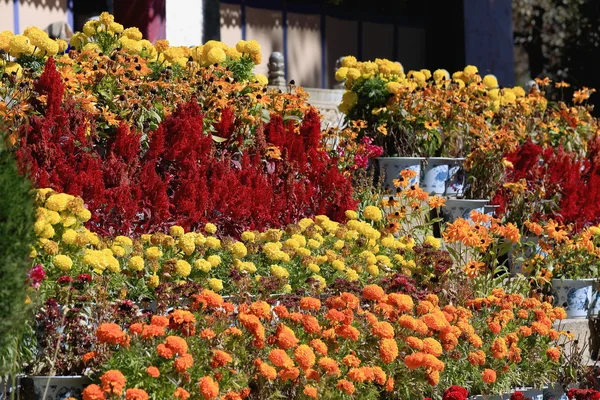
218	139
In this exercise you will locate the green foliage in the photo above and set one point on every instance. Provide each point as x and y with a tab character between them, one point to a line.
16	236
241	69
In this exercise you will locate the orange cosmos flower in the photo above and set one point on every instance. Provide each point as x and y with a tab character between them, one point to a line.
113	382
310	304
346	386
319	346
373	292
112	334
351	361
310	391
209	388
305	357
488	375
220	358
388	350
136	394
181	394
280	358
93	392
153	372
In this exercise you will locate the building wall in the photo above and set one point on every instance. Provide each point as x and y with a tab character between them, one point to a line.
6	15
41	13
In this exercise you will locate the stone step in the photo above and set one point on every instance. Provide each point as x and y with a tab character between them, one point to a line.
587	332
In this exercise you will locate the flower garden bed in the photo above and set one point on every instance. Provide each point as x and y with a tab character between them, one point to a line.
196	235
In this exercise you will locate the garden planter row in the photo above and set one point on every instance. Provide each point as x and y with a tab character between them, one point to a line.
579	297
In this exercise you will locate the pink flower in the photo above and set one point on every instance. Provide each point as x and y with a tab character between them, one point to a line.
36	275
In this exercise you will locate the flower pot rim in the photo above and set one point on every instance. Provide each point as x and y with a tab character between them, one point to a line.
445	158
54	376
575	280
454	199
401	158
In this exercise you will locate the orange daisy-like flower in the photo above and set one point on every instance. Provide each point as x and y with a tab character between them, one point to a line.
113	382
488	375
181	394
311	392
553	353
305	356
346	386
136	394
153	372
310	304
209	388
474	268
93	392
388	350
436	201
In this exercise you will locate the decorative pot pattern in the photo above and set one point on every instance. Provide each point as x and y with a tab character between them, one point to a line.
436	175
59	388
391	167
457	176
575	293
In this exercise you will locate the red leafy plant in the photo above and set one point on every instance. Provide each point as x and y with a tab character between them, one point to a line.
181	177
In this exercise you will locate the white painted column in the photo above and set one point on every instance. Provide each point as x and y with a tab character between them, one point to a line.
184	22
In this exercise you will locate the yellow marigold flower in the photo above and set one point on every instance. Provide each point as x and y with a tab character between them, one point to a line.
349	61
115	27
214	260
373	269
118	251
176	231
62	262
5	40
153	253
261	79
312	243
133	33
248	236
136	263
233	54
440	74
338	265
216	56
203	265
490	81
314	268
238	249
183	268
153	281
213	243
338	245
518	91
58	202
321	280
279	272
13	67
433	242
351	275
372	213
78	40
351	214
470	70
84	215
123	241
215	284
251	47
210	228
340	74
353	74
106	18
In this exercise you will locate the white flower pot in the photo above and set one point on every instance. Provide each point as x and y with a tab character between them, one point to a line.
576	294
58	387
457	178
461	208
391	167
436	174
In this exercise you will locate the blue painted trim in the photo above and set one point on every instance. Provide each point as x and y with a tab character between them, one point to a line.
359	36
396	42
16	16
284	24
323	51
243	19
70	15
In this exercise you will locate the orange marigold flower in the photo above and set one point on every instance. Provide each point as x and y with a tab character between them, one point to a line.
348	332
267	371
261	309
177	344
180	317
159	320
488	375
312	375
296	316
209	388
208	298
184	363
351	301
383	330
351	361
499	348
346	386
414	342
402	302
553	353
153	371
181	394
415	360
373	292
311	392
112	334
290	374
435	320
433	377
93	392
151	331
539	328
310	324
113	382
136	394
207	334
388	350
476	358
285	337
389	384
305	356
87	357
281	311
220	358
164	351
234	331
432	362
424	307
358	375
432	346
232	396
319	346
310	304
475	340
495	327
380	375
135	329
280	359
330	366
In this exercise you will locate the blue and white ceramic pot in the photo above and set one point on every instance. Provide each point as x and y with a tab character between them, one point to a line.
390	168
462	208
54	387
575	295
435	174
594	310
457	178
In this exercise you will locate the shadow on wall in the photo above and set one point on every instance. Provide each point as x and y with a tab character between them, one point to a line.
51	5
